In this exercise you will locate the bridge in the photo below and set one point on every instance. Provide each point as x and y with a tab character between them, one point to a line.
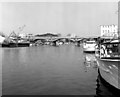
55	40
52	39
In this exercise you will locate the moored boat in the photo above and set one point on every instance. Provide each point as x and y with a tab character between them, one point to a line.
89	46
20	43
15	44
14	40
109	62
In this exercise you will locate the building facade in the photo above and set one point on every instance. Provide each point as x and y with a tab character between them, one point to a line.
109	31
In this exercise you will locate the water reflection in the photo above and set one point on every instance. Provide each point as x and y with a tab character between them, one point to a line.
47	70
103	89
89	61
51	70
23	55
0	71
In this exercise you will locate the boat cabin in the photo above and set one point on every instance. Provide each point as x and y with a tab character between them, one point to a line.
110	49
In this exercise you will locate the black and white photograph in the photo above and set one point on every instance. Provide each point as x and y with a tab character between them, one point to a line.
60	48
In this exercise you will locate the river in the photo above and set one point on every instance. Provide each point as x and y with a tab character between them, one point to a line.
48	70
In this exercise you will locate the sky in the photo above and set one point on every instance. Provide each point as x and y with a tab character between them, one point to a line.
80	18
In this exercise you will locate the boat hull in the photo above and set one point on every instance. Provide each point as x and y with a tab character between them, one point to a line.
89	46
23	44
109	71
15	45
88	51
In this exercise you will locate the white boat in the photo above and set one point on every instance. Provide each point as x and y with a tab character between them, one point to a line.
109	62
2	39
89	46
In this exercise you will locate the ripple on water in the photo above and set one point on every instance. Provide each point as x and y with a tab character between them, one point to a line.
47	70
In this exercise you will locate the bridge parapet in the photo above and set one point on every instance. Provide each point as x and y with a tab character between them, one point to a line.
56	38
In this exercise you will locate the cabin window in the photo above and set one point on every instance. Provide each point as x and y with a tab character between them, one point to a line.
112	50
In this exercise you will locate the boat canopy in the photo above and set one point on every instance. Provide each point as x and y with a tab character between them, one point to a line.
112	42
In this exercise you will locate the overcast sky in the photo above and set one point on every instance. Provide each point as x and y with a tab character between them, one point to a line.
81	18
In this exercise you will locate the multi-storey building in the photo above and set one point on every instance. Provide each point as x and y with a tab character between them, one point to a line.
109	31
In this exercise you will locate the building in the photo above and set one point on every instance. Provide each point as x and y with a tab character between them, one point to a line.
109	31
71	35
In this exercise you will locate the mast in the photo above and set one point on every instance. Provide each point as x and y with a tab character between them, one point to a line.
119	19
119	25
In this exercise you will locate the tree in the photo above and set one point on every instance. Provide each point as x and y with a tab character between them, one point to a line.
69	34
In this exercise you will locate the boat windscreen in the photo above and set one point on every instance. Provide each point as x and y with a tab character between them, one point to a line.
113	50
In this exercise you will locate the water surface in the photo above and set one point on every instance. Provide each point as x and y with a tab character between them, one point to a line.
47	70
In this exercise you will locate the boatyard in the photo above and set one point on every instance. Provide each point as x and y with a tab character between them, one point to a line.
57	59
